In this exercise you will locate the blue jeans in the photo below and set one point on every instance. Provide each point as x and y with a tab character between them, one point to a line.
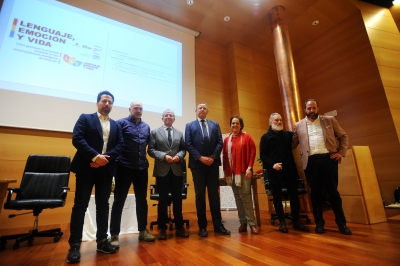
123	179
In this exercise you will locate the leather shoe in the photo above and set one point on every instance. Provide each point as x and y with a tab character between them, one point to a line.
181	232
162	235
319	229
74	255
203	232
106	247
283	228
222	230
298	225
254	230
344	230
243	228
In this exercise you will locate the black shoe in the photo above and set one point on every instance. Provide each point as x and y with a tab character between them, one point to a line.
181	232
319	229
162	235
203	232
283	228
344	230
298	225
106	247
222	230
74	255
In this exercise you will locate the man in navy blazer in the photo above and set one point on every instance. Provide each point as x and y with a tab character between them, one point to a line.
98	140
203	141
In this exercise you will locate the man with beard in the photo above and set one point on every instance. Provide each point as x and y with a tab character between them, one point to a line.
98	140
322	143
277	157
132	166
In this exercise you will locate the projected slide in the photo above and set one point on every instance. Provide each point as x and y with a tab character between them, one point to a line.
53	49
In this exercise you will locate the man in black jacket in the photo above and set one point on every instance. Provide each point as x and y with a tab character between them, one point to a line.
277	157
98	140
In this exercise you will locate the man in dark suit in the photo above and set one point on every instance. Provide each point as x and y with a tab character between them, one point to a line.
167	147
98	140
204	143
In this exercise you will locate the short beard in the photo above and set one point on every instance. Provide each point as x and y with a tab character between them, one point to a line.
313	117
277	128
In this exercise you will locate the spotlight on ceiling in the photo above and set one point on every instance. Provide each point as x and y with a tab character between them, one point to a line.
190	2
227	18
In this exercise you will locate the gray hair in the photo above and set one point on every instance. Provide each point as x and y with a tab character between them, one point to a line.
168	110
271	117
202	103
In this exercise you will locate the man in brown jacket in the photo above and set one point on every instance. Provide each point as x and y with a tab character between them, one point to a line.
322	143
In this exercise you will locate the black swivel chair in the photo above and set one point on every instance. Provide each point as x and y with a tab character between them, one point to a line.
44	185
285	196
155	196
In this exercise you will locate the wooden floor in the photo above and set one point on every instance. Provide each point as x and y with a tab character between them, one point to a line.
377	244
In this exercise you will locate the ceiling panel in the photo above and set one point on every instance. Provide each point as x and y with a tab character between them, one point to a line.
249	22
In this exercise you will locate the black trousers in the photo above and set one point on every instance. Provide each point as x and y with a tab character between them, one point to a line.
292	189
165	184
123	179
102	180
207	177
322	172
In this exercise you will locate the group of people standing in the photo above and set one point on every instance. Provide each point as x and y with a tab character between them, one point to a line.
108	148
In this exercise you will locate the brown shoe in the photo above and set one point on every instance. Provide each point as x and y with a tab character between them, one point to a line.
181	232
254	230
243	228
162	235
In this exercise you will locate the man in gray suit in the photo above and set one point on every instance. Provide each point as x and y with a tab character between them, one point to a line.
167	147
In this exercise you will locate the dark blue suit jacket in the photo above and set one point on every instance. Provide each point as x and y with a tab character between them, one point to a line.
87	138
195	143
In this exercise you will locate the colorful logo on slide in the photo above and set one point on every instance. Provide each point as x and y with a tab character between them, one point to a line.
14	25
71	60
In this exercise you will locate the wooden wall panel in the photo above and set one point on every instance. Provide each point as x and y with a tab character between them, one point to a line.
392	95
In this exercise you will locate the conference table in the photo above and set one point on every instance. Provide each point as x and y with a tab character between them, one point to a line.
3	189
128	219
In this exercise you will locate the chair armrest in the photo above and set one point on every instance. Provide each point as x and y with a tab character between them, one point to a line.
11	191
153	188
301	182
64	192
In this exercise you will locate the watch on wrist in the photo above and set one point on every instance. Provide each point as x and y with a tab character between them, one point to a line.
250	168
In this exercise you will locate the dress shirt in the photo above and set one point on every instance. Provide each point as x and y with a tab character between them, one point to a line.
105	128
136	137
316	138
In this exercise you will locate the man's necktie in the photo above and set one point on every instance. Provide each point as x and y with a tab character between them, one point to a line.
205	133
169	137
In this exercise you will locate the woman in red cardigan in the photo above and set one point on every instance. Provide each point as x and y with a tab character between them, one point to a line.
239	153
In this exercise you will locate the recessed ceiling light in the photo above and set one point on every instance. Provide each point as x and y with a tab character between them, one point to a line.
190	2
227	18
315	23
